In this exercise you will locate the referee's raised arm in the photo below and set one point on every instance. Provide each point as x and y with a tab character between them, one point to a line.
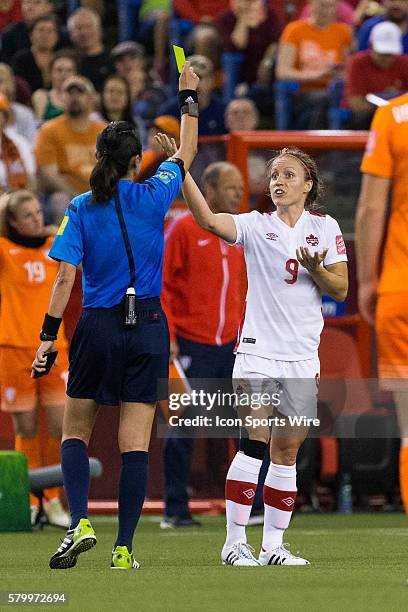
188	102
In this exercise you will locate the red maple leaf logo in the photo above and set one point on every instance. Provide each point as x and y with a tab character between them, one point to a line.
312	240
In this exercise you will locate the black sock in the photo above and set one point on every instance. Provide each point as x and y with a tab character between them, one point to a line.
132	491
75	473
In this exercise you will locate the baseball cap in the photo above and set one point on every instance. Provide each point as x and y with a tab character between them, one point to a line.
167	124
4	103
201	65
128	47
80	82
386	38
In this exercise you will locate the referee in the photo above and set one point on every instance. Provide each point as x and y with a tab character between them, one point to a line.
121	344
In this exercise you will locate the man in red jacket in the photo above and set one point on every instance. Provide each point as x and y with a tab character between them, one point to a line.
202	298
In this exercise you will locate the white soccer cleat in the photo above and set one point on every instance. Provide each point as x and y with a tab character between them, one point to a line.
56	514
239	554
280	556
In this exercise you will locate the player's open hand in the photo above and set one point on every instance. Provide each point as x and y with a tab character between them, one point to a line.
188	78
167	144
308	261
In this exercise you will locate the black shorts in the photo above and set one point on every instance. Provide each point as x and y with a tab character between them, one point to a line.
111	363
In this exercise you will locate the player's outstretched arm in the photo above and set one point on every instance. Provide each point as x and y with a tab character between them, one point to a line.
220	224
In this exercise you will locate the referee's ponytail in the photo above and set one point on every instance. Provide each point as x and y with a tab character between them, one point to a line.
115	147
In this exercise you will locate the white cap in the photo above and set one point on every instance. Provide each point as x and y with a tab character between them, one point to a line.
386	38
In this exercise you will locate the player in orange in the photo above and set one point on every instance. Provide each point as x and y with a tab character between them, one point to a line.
383	275
27	275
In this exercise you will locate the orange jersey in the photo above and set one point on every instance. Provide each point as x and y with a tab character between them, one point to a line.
318	48
72	151
386	155
26	279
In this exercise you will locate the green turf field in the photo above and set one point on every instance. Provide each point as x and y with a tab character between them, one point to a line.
359	562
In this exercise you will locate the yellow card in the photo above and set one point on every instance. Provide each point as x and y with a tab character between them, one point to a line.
180	57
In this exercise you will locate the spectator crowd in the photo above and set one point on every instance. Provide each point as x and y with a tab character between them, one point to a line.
262	64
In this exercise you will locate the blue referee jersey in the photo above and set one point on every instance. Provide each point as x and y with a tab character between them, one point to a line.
90	233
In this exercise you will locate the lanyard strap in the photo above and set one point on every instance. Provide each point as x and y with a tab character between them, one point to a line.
126	240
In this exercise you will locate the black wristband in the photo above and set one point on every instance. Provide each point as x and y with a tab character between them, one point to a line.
50	327
180	164
184	94
46	338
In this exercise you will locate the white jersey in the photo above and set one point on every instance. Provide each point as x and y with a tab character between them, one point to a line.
283	312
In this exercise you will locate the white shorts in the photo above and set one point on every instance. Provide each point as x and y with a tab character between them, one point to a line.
292	385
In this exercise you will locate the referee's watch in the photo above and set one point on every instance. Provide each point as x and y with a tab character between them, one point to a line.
188	102
190	108
47	337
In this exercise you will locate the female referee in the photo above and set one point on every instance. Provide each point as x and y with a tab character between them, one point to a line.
293	255
120	348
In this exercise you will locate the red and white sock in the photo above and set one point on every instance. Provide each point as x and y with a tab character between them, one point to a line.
240	487
279	499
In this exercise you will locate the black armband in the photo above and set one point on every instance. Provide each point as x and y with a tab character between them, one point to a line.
188	102
50	328
180	164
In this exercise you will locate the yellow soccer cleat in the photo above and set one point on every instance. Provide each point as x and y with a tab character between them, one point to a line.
77	541
122	559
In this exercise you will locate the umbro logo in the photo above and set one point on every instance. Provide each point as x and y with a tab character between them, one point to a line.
14	251
312	240
249	493
272	236
288	501
202	243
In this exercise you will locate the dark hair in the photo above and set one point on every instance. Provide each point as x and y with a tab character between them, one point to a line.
311	174
127	114
115	147
46	17
66	54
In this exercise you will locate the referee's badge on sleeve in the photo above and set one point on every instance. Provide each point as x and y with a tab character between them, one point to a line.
63	225
167	175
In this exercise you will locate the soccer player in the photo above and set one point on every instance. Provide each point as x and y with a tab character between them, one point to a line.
383	276
293	255
26	277
203	318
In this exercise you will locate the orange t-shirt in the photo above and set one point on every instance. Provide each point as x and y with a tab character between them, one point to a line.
73	152
318	48
26	279
386	155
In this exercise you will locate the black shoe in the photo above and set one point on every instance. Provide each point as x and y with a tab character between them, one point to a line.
171	522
